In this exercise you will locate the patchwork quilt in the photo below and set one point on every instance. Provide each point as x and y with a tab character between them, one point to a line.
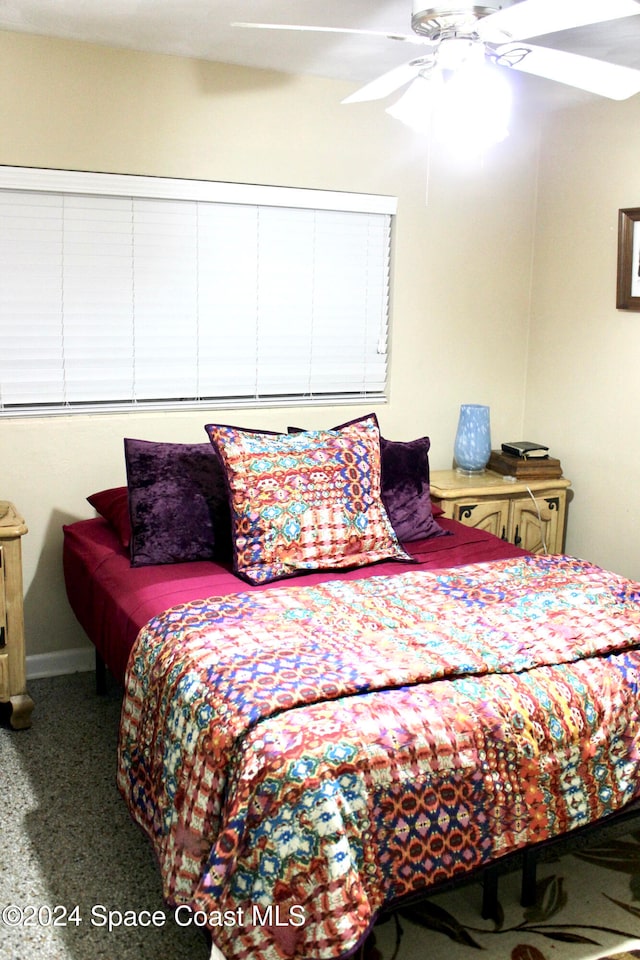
302	757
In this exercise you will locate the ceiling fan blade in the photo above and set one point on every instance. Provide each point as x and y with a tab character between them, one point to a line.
407	38
388	82
535	18
585	73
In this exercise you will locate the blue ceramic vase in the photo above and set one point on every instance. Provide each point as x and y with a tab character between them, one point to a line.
472	447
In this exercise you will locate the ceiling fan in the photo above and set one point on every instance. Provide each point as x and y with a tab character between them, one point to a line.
458	31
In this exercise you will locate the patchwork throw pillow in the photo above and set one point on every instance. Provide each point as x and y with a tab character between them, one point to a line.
113	505
177	503
405	489
305	501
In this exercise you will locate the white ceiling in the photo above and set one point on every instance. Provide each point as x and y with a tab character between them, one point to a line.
202	29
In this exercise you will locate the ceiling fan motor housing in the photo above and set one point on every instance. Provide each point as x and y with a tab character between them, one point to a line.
446	18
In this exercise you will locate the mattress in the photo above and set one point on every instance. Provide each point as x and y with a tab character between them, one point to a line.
113	600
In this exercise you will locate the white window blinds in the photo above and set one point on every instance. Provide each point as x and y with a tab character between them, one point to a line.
132	291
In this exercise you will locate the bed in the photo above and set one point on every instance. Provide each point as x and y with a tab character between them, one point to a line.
308	739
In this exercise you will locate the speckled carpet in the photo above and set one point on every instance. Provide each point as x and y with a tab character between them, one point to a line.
69	854
67	840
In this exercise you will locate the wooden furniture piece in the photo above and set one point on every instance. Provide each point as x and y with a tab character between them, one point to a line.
13	689
527	513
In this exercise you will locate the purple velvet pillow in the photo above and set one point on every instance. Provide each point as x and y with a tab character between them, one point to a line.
177	503
405	489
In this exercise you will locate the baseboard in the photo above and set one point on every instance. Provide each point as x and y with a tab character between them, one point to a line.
80	660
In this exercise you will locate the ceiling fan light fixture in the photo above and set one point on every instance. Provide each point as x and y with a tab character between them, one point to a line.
458	51
473	110
466	111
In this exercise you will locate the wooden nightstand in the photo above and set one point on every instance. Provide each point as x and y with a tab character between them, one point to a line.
529	513
13	680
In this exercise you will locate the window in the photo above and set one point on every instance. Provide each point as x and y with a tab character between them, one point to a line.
133	292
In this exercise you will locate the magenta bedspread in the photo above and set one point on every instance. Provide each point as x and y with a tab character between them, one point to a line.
300	757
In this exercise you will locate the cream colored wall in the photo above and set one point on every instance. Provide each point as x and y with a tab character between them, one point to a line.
461	277
583	391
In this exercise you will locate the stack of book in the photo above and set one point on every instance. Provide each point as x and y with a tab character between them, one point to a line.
525	460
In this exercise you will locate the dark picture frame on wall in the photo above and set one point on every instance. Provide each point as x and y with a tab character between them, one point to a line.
628	291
